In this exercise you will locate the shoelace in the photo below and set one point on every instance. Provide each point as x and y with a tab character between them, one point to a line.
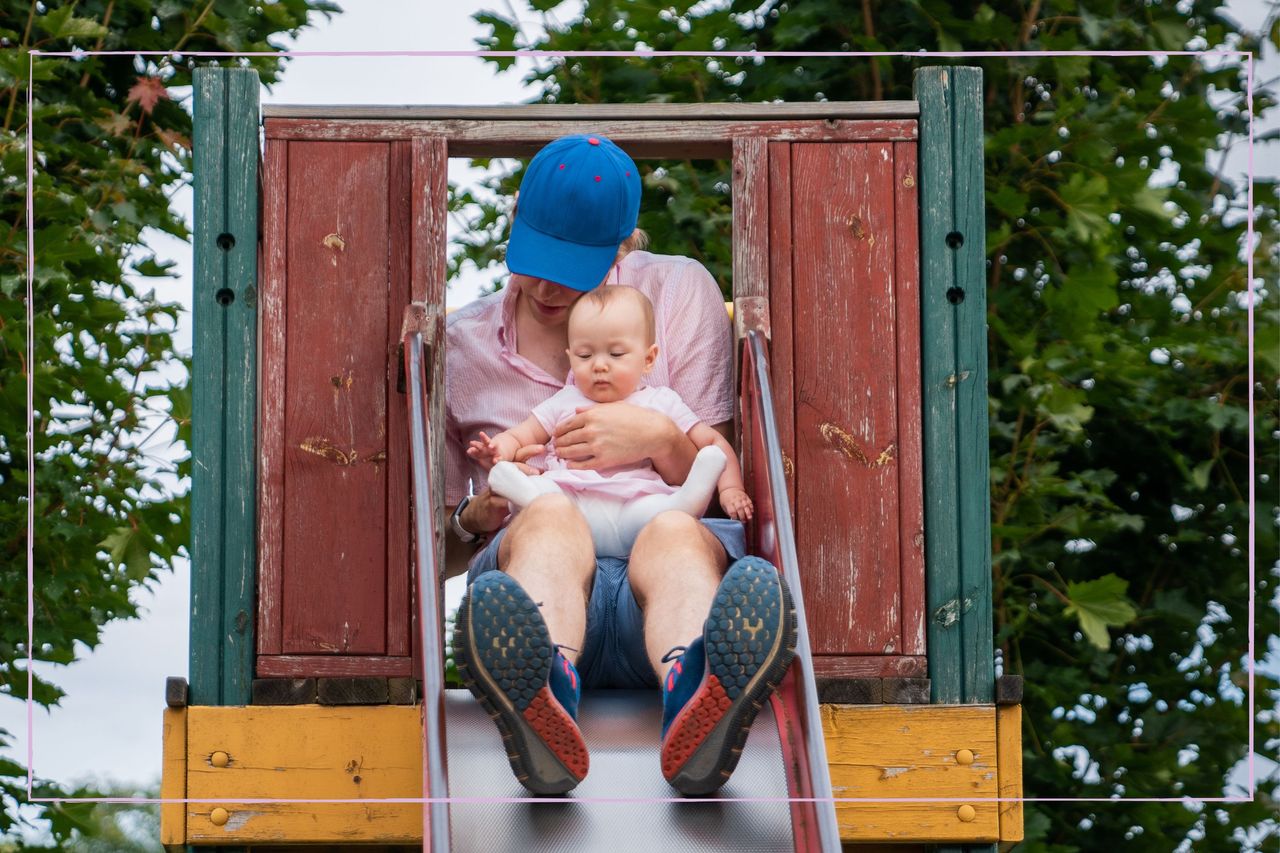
671	655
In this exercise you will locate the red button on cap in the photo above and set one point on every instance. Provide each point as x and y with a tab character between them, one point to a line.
592	140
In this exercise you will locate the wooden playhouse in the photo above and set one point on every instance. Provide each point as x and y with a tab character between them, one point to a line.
858	295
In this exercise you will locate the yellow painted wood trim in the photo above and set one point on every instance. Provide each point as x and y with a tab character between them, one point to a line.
899	752
173	778
304	752
1009	760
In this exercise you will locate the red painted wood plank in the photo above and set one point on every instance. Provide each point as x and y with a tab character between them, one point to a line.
271	300
869	666
910	405
781	346
641	138
321	666
846	415
427	285
398	604
336	400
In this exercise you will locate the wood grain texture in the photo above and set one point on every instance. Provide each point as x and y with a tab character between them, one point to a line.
271	510
750	193
910	451
953	370
781	305
335	456
173	777
910	751
398	602
641	139
304	666
427	286
750	217
224	385
1009	755
305	752
859	666
580	112
846	395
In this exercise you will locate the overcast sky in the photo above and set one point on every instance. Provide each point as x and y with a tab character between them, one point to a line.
109	724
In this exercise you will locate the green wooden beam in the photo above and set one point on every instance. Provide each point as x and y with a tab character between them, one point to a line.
954	373
224	387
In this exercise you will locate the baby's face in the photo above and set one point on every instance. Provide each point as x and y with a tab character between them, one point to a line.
608	351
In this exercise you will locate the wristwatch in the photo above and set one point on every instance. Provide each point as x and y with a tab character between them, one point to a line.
455	521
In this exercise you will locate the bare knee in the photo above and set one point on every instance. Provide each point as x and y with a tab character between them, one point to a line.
674	548
549	533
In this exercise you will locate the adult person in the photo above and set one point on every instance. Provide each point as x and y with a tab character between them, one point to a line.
688	610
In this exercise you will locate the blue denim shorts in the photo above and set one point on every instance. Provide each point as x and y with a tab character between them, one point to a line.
613	652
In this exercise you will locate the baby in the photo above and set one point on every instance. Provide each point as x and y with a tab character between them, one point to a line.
611	349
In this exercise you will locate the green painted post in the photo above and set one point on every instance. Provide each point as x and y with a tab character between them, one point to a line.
954	357
224	387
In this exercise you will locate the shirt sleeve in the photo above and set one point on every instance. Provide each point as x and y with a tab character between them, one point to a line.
455	461
699	343
553	409
669	403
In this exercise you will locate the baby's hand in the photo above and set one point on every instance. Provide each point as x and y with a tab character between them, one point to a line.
490	451
736	503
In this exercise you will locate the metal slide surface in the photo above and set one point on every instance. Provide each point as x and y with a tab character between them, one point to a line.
624	804
621	728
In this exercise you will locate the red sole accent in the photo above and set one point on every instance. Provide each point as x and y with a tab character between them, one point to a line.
558	731
694	723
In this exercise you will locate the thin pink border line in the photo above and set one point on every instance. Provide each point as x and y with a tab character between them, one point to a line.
648	54
633	800
1249	240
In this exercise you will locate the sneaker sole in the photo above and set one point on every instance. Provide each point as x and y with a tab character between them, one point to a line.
504	653
750	637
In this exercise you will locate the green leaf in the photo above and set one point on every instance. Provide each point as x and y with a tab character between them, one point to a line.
1200	474
1087	205
1099	604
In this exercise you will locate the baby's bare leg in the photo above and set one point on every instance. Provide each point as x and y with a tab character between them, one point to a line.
691	498
508	481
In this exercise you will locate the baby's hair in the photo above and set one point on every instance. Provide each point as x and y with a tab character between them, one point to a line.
602	297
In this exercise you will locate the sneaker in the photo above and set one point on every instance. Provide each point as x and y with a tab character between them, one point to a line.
721	680
506	659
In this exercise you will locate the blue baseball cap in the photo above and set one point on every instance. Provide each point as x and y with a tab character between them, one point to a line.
579	199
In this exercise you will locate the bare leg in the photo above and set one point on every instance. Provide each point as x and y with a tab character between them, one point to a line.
691	498
675	569
548	550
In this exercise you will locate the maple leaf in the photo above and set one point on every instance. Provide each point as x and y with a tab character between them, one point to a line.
173	140
147	91
114	123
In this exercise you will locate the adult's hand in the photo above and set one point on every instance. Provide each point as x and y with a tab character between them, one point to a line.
610	435
486	511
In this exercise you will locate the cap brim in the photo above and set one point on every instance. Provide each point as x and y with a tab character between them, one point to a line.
573	265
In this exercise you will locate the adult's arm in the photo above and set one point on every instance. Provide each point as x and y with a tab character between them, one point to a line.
610	435
483	516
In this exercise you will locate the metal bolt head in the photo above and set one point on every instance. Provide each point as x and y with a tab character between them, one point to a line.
964	756
219	816
908	181
219	759
966	813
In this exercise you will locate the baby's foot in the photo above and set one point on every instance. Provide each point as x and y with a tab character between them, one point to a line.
508	481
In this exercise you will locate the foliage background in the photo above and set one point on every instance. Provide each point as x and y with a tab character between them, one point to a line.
112	145
1117	343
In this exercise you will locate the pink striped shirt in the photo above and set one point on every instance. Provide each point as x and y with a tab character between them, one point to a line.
489	386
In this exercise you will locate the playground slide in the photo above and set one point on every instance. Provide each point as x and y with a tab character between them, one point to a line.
772	802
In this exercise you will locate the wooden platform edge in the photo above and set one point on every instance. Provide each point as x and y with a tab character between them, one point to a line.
173	779
1009	755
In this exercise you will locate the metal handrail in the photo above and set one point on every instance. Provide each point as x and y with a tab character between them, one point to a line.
813	809
435	782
